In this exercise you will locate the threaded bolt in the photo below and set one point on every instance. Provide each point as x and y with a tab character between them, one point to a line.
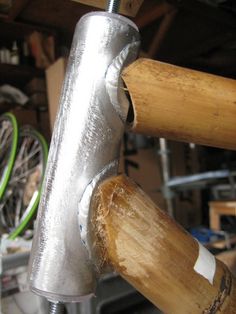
56	308
113	6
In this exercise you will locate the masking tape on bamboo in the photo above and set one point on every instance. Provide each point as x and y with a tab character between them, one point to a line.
205	264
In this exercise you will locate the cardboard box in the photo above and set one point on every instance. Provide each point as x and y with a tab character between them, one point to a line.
55	77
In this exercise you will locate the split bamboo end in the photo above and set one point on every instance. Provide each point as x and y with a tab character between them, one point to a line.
155	255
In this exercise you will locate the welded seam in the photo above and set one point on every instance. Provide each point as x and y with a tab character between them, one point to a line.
113	82
85	210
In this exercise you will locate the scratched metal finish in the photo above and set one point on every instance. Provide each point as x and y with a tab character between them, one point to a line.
84	150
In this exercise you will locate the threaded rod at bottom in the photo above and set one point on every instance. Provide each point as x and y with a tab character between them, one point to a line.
56	308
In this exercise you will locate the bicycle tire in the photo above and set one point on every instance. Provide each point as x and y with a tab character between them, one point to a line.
6	173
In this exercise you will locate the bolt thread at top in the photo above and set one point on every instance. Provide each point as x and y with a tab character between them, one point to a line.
113	6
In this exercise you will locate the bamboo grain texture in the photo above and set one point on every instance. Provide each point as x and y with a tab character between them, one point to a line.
154	254
182	104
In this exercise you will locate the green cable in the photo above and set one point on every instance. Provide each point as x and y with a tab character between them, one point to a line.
10	164
21	227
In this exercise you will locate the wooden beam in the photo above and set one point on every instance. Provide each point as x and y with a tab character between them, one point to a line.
212	13
154	13
127	7
161	32
156	255
17	7
210	43
182	104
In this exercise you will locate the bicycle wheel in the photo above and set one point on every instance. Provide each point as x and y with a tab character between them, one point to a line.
22	195
8	146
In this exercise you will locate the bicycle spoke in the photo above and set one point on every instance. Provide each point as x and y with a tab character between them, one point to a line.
24	185
26	159
18	210
23	175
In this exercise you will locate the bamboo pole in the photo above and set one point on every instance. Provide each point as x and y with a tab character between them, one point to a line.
157	256
182	104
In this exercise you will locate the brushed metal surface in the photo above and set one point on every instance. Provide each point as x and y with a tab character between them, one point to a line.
84	150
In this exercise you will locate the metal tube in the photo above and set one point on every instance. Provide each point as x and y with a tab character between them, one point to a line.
15	260
205	176
166	175
84	150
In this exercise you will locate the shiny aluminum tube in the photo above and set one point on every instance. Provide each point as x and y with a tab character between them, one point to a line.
84	150
165	163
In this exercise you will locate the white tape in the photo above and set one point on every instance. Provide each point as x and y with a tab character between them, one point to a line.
205	264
